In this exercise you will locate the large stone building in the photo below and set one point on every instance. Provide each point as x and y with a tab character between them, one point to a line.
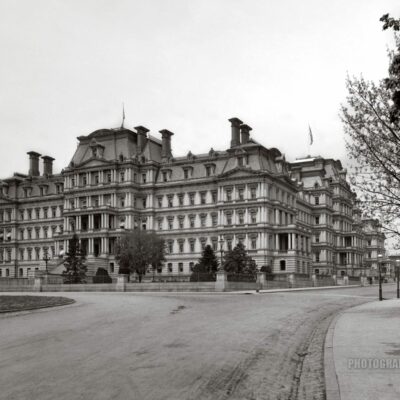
298	217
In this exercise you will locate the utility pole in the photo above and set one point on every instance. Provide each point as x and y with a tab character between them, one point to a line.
380	256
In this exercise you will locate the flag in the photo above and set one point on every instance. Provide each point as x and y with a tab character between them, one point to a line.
123	115
311	136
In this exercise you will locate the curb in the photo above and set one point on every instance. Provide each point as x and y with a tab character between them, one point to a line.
332	388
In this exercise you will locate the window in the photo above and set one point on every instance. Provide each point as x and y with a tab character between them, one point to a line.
214	219
229	219
21	234
191	198
45	232
107	176
214	245
107	199
214	196
37	253
72	204
229	244
111	267
72	182
170	246
165	176
21	215
45	212
181	246
317	238
241	194
171	223
253	217
208	170
240	161
82	202
180	199
21	257
192	245
191	266
160	224
317	256
316	220
159	201
282	265
96	178
54	212
122	176
144	178
122	201
191	221
203	197
203	220
316	200
186	173
169	266
37	212
241	218
203	242
170	200
253	243
29	230
180	267
95	201
181	221
253	193
229	195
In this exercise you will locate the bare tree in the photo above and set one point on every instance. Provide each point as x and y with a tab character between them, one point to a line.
371	123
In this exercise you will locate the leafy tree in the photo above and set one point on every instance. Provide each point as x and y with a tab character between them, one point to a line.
237	261
139	249
74	263
206	267
371	123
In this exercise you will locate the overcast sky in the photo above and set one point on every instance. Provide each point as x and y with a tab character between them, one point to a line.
187	66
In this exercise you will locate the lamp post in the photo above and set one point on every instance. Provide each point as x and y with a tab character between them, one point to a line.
46	258
221	249
380	256
397	276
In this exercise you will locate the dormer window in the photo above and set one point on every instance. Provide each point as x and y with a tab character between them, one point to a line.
187	172
97	149
240	161
166	175
210	169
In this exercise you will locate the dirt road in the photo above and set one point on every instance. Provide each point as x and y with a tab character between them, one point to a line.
195	346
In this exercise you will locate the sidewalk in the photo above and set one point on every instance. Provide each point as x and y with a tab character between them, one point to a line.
362	353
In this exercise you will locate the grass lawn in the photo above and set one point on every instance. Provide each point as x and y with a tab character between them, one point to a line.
21	303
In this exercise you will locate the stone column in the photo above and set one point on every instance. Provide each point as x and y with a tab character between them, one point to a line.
122	280
261	279
221	282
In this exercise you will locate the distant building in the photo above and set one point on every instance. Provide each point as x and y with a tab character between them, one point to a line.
298	217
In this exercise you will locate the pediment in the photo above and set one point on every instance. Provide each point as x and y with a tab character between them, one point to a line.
92	162
240	172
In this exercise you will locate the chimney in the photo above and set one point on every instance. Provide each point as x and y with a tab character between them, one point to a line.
33	163
166	144
235	139
245	132
47	165
141	138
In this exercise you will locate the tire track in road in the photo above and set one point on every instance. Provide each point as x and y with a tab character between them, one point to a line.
285	365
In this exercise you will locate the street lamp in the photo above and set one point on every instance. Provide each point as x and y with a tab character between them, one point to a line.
221	248
397	276
46	258
380	256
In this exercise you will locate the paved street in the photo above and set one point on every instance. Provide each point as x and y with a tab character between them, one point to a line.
166	346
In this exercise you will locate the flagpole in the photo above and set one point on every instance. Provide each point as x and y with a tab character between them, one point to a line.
123	115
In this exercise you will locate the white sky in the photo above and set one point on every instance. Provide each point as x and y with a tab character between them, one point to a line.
186	66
